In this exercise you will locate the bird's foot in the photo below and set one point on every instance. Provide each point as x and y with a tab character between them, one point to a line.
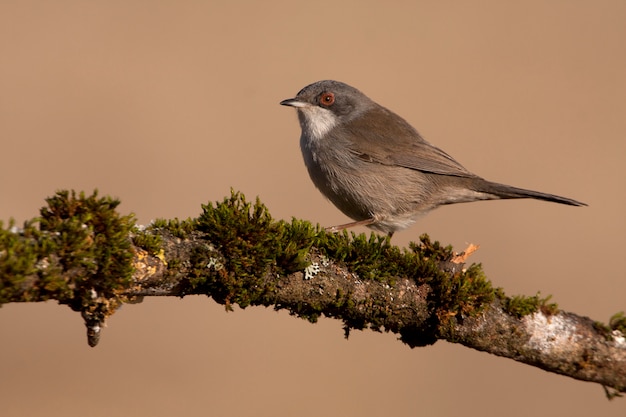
338	228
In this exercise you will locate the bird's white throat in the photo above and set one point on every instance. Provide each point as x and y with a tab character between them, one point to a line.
317	121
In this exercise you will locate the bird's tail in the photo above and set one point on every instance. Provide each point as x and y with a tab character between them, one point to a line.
506	192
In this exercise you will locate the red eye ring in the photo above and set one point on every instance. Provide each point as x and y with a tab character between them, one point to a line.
327	99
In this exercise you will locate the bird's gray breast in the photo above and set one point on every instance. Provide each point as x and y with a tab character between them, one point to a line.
336	172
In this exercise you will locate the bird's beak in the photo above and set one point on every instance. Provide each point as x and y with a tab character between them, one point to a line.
294	102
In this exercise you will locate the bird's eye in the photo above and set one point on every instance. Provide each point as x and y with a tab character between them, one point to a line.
327	99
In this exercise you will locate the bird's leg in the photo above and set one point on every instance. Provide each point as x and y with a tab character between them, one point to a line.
340	227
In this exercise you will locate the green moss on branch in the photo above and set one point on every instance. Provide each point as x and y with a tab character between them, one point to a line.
78	252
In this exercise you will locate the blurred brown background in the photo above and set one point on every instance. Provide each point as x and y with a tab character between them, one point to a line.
167	105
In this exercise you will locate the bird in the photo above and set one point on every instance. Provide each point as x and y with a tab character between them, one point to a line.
376	168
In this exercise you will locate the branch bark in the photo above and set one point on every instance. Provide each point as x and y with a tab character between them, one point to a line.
563	343
235	253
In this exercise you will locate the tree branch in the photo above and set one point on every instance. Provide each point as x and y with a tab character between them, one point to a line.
82	253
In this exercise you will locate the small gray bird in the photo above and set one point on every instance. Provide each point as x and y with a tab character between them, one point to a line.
376	168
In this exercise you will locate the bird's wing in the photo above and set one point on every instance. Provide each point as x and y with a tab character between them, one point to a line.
399	144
